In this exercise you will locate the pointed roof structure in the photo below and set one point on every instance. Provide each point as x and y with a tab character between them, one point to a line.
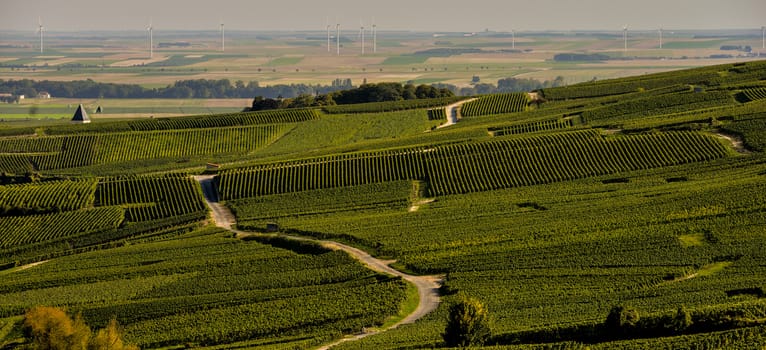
80	116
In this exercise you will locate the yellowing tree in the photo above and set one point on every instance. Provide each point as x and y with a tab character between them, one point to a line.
51	328
110	338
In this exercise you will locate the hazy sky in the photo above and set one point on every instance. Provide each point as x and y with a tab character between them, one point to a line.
419	15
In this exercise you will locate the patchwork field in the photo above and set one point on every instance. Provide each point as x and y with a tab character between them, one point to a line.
303	57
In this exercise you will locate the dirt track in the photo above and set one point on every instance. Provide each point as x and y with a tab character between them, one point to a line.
453	112
428	286
736	141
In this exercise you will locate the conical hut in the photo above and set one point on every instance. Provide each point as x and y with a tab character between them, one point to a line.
80	116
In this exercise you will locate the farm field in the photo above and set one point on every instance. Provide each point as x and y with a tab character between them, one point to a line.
302	57
63	108
552	209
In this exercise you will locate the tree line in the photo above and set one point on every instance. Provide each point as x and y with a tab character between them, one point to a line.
197	88
380	92
503	86
224	88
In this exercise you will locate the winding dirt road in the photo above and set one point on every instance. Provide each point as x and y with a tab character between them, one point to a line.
428	286
453	112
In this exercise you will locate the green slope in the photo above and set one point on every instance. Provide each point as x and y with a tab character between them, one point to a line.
647	192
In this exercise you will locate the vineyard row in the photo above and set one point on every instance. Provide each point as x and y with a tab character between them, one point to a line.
151	198
496	104
480	166
45	197
280	116
61	152
391	106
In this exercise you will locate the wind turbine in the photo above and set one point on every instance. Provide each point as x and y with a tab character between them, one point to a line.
337	37
374	37
328	37
223	38
151	39
660	37
361	34
513	39
625	37
40	29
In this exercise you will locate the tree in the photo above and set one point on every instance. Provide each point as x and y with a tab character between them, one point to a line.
622	319
301	101
110	338
680	321
468	323
409	92
51	328
324	100
260	104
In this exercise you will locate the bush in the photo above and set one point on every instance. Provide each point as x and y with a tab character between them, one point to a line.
680	322
622	319
468	323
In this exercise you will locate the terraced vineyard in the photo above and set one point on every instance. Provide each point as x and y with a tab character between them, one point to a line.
325	172
540	126
362	197
503	164
657	105
391	106
496	104
64	152
47	197
194	290
755	94
706	76
150	198
192	122
64	217
24	230
437	114
644	194
479	166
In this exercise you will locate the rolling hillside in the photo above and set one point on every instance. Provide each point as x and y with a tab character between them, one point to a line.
647	193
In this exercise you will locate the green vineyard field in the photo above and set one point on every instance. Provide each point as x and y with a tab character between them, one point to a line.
479	166
708	76
319	173
56	218
755	94
397	194
206	289
657	105
17	231
64	152
378	107
150	198
541	126
191	122
544	159
495	104
437	114
645	194
47	197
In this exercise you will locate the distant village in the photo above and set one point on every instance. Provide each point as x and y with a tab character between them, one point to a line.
11	98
